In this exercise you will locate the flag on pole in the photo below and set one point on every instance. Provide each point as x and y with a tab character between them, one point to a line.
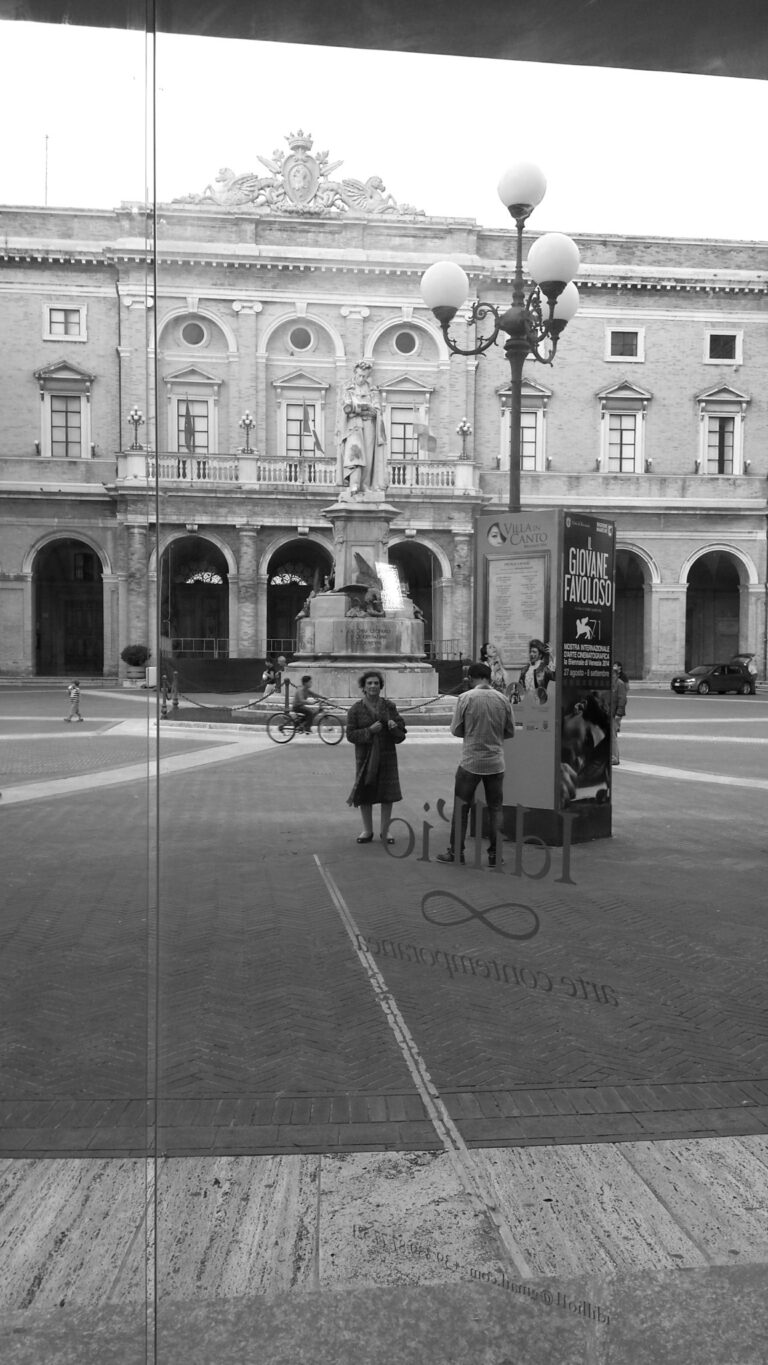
425	441
189	430
307	429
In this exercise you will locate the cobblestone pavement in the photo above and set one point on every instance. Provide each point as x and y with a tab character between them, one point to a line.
279	988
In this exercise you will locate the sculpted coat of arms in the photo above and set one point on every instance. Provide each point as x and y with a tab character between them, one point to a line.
300	183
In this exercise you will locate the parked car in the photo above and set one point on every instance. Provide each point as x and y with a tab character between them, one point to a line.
730	677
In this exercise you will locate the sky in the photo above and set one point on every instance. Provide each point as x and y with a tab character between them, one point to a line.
629	152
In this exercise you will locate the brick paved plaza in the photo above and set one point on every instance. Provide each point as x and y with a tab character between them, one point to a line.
265	988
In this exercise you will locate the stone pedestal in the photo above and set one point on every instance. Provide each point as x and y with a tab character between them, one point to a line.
329	631
360	525
336	647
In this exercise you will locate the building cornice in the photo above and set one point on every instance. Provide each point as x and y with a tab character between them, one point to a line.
294	245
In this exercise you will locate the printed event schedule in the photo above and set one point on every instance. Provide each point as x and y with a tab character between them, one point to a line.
518	603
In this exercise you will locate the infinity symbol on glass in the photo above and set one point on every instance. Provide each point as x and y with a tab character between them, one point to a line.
484	916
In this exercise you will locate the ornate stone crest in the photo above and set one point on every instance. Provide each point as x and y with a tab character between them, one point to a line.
300	183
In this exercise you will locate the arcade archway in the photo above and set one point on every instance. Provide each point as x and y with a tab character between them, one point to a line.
295	570
194	598
712	609
68	610
418	569
629	615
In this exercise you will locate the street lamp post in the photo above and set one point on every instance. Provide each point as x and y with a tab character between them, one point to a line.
247	423
533	325
464	430
136	420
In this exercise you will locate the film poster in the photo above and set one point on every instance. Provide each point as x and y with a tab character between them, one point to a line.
586	628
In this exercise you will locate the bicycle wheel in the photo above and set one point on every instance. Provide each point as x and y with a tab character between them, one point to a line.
281	727
330	729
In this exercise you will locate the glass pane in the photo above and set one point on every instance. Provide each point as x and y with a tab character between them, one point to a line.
77	758
720	438
403	433
722	346
528	431
624	343
621	442
242	1054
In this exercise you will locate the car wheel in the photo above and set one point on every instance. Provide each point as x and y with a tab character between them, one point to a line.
745	690
703	688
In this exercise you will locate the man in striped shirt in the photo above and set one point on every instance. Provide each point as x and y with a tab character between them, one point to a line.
483	720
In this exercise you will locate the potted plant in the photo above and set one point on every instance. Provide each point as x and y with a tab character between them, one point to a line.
135	658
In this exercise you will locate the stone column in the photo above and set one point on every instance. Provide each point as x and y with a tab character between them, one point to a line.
28	624
461	595
110	590
137	625
666	630
262	588
751	603
245	643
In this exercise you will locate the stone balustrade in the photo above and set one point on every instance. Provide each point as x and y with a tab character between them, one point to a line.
405	476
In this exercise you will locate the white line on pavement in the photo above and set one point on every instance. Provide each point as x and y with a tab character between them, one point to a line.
453	1142
697	739
704	721
132	772
685	775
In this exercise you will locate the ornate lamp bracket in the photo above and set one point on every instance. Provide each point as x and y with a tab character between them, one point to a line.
479	311
524	326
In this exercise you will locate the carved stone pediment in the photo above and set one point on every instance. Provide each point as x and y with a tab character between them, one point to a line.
63	372
299	182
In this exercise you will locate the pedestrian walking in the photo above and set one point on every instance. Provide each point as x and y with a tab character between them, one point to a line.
74	702
375	726
482	720
618	709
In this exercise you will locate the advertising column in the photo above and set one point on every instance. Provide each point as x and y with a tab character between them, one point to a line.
586	626
543	617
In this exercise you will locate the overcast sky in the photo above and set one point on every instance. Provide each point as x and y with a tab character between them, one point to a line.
623	151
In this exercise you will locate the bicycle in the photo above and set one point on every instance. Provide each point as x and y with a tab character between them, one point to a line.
283	725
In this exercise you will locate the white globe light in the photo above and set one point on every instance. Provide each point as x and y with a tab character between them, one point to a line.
522	183
552	259
444	285
567	305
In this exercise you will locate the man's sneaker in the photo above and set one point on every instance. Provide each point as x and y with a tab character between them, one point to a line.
448	857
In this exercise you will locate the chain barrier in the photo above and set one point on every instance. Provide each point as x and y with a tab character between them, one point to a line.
256	701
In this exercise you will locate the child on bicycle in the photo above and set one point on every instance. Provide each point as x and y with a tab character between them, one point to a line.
305	704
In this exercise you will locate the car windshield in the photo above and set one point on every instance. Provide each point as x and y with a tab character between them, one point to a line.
702	668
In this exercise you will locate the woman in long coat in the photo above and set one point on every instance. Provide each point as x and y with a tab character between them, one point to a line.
374	726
